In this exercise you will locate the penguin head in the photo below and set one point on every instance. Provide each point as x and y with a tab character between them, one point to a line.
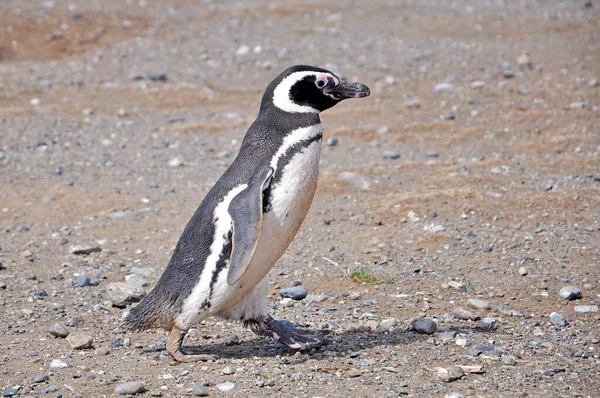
309	89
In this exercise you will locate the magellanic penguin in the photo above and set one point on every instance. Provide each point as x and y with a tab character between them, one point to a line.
249	218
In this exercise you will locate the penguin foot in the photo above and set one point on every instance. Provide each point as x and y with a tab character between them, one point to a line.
174	347
287	333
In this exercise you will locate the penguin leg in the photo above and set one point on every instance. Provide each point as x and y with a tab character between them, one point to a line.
174	347
253	311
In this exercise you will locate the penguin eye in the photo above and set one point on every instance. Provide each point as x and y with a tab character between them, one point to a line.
321	82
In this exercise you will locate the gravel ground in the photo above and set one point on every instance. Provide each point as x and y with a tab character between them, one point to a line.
466	188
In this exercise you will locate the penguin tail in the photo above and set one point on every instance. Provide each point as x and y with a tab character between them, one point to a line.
150	313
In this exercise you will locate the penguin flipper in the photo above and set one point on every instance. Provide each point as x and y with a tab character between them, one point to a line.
246	211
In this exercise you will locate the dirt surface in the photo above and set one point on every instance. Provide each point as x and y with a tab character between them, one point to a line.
475	160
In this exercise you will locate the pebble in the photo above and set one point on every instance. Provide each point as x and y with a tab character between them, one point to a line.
585	308
447	335
509	360
449	116
136	280
295	292
158	77
477	84
58	363
130	388
487	324
457	285
200	391
450	373
424	326
387	324
226	386
286	302
413	103
355	180
10	392
443	87
558	319
41	378
242	50
508	73
176	162
464	314
570	293
121	294
523	271
462	342
332	141
85	250
58	330
80	341
478	304
81	281
228	370
390	155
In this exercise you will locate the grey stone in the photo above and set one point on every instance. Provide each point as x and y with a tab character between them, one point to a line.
121	294
200	391
136	280
10	392
85	250
487	324
447	335
390	155
558	319
356	180
466	315
585	308
59	330
450	373
332	141
478	304
41	378
51	388
523	271
226	386
424	326
80	341
387	324
130	388
443	87
509	360
570	293
457	285
228	370
81	281
449	116
158	77
295	292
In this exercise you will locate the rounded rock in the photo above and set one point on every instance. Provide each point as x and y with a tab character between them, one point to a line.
130	388
226	386
570	293
80	341
424	326
59	330
296	292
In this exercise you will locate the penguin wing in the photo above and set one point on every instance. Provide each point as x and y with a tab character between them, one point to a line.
246	211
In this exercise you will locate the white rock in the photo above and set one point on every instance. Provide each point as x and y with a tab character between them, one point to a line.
58	363
226	387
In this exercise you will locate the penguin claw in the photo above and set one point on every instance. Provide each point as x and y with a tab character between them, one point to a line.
287	333
174	347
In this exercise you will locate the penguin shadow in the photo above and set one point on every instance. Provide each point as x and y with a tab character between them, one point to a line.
345	343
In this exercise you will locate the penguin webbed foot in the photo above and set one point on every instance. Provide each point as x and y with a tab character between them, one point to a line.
287	333
175	348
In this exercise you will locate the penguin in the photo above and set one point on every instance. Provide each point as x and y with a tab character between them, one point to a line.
248	219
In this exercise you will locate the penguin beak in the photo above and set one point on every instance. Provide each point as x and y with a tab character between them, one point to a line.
348	90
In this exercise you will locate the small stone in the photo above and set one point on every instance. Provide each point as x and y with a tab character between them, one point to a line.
508	74
287	302
176	162
478	304
226	386
130	388
76	16
447	335
390	155
200	391
26	254
81	281
487	324
387	324
413	103
228	370
424	326
464	314
443	87
121	294
41	378
585	308
58	330
355	180
457	285
570	293
85	250
158	77
477	84
332	141
242	50
577	105
558	319
450	373
58	364
432	154
296	292
80	341
10	392
509	360
449	116
462	342
523	271
523	60
136	280
352	373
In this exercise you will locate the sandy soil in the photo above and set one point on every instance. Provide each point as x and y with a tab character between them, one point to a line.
475	160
